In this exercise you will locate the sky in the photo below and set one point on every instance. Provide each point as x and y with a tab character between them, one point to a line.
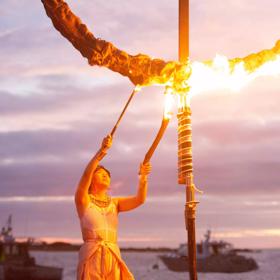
55	110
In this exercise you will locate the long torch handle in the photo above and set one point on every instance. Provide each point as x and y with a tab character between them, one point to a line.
136	89
160	133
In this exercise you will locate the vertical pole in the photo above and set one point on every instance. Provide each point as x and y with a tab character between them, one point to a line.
185	170
183	30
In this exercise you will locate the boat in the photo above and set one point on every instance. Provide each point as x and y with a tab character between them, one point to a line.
16	262
212	256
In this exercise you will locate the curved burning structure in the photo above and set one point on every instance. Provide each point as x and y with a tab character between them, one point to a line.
140	69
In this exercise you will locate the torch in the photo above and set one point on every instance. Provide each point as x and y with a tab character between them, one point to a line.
164	123
136	89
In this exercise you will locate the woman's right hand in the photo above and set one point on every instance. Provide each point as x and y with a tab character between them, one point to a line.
107	143
145	169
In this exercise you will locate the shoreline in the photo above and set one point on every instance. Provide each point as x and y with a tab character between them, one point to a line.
64	247
67	247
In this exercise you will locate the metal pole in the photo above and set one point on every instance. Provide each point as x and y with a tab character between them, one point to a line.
183	30
185	170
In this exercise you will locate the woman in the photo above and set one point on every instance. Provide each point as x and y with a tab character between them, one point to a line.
99	256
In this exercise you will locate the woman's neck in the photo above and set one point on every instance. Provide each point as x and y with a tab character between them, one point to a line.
100	194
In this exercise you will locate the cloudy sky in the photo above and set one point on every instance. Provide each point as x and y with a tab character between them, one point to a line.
55	110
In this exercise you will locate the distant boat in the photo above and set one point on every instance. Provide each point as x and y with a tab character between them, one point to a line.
17	264
212	256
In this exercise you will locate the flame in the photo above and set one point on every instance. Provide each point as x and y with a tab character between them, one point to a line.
183	101
168	103
223	73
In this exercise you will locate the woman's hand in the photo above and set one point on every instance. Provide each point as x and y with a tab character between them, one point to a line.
106	143
145	169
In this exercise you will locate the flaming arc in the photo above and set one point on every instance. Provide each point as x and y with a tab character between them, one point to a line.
219	73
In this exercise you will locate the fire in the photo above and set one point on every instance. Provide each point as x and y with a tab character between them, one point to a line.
223	73
183	101
168	103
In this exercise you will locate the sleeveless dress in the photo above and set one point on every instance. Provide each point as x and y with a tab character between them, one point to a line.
99	256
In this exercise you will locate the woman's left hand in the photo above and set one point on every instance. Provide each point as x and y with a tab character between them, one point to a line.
145	168
107	143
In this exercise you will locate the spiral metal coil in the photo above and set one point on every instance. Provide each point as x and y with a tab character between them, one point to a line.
185	165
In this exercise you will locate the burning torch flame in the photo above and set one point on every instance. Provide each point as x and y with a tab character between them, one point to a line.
168	103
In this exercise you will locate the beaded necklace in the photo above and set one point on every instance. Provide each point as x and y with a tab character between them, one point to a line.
100	202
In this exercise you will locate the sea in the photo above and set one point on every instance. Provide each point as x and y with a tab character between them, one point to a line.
147	266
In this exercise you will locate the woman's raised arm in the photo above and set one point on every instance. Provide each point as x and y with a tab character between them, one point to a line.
81	195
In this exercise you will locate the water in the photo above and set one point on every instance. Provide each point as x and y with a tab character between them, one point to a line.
141	265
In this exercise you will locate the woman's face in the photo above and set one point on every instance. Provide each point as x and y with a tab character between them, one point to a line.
101	179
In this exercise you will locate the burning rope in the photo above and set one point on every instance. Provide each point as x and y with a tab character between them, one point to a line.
141	69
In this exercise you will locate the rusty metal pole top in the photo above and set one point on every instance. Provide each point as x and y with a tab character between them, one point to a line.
183	30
